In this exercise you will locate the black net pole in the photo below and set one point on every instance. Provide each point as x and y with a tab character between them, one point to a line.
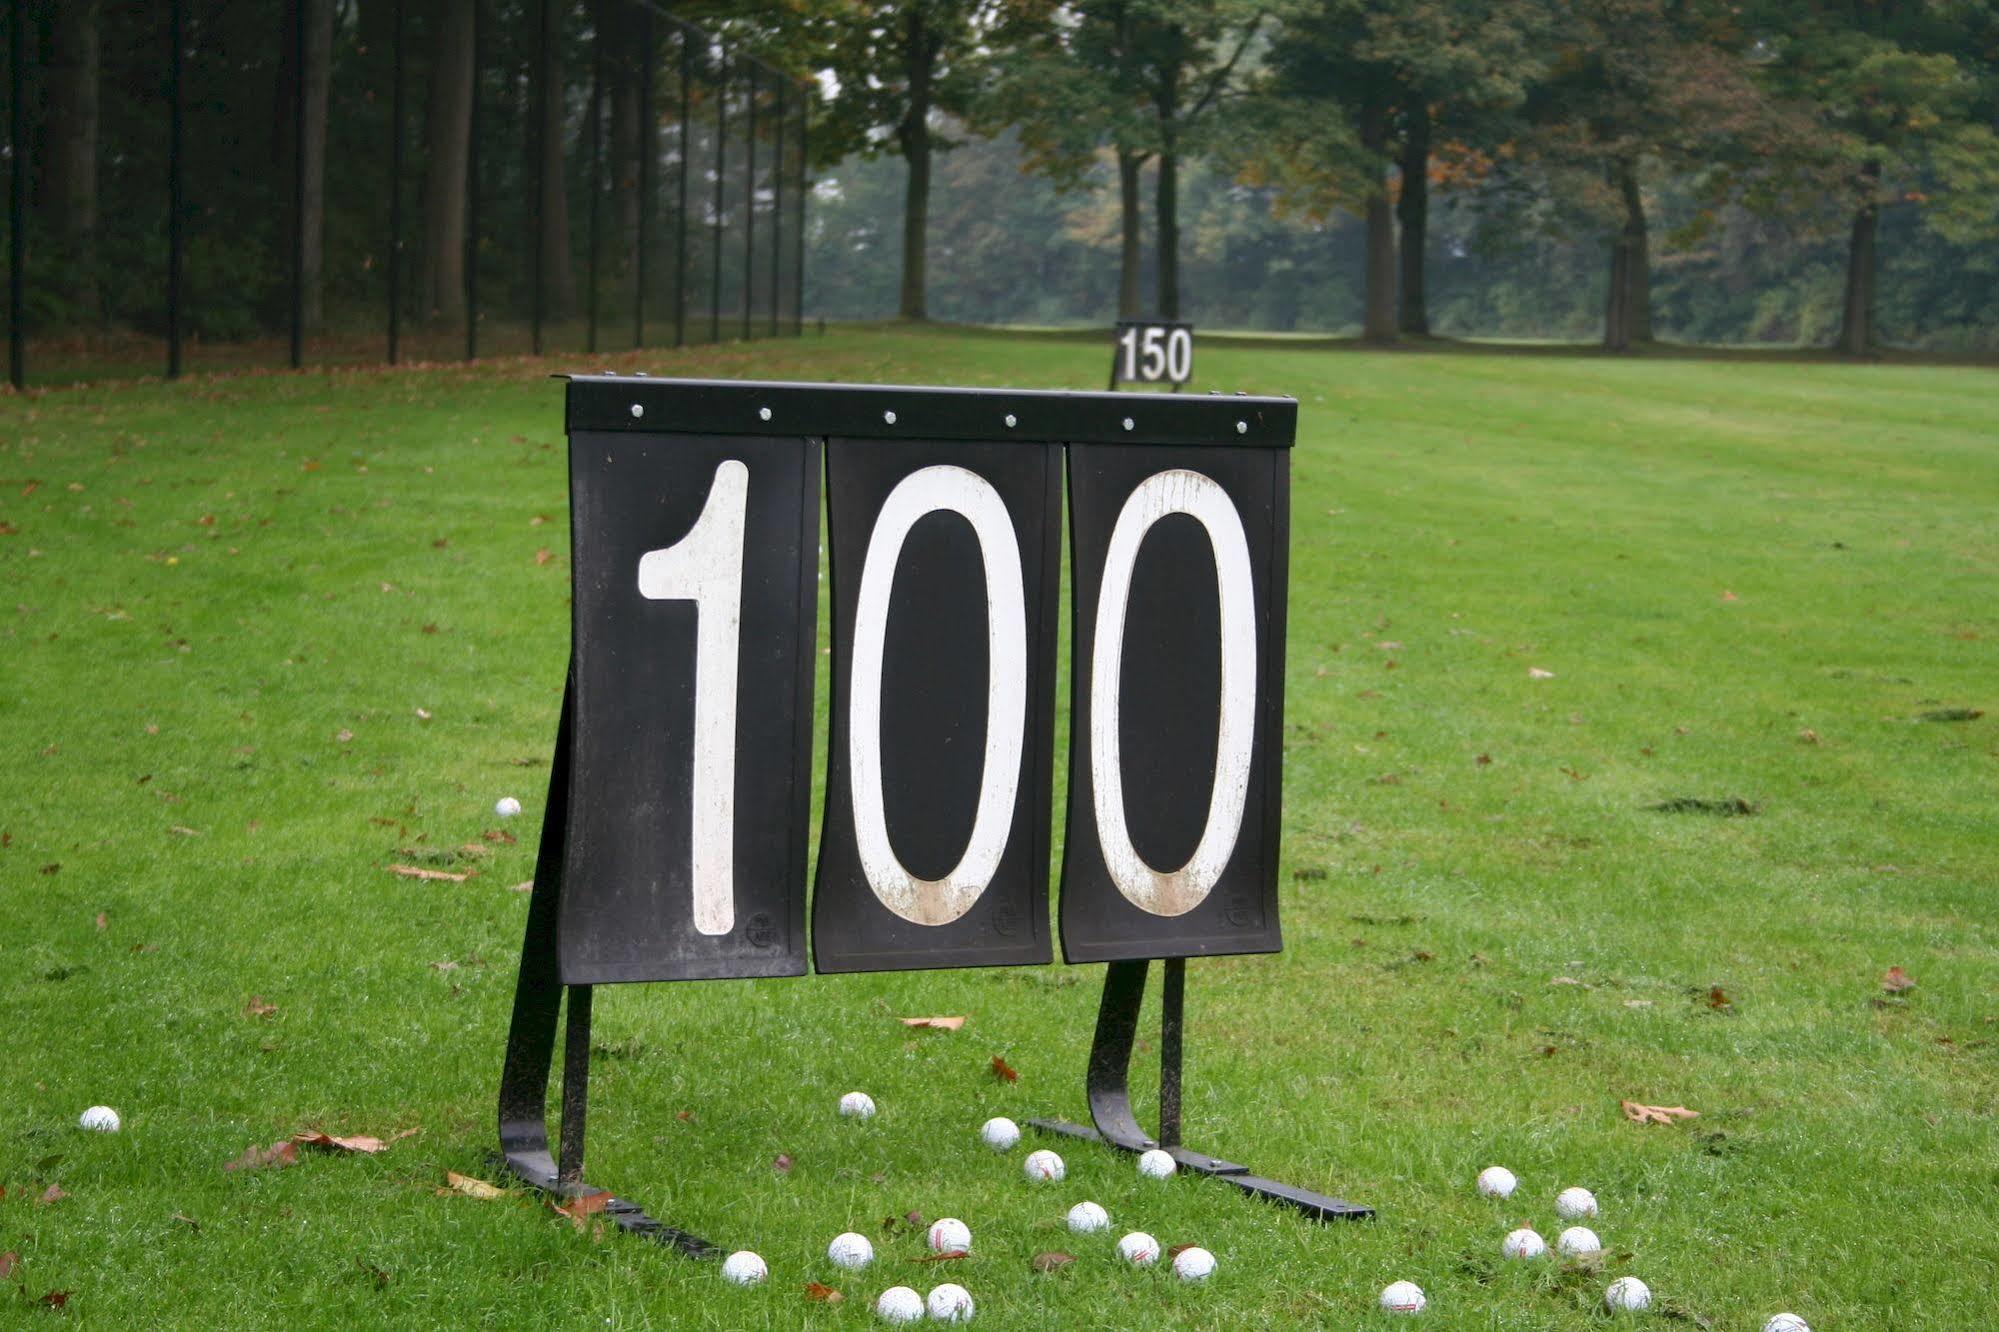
176	204
539	104
17	194
594	177
396	188
298	183
471	238
777	209
721	160
680	216
647	131
798	241
750	205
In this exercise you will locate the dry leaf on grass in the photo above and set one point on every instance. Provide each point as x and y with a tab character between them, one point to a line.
1536	673
819	1290
1052	1262
782	1164
469	1187
1895	980
56	1299
948	1255
1657	1114
259	1007
1004	1071
53	1193
412	872
7	1262
581	1208
360	1142
935	1023
277	1156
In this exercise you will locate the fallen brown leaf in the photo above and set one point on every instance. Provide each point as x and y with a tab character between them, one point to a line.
1657	1114
1179	1249
259	1007
413	872
470	1187
7	1263
542	556
277	1156
1895	980
581	1208
935	1023
944	1257
326	1142
56	1299
184	1219
53	1193
1052	1262
819	1290
782	1164
375	1274
1004	1071
1717	998
103	921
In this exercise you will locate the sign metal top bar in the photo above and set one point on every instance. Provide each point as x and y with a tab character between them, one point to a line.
890	411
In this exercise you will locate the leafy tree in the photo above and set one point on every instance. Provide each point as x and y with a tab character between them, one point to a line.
1904	94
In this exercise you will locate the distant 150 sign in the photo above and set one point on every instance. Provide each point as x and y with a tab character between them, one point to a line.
1153	352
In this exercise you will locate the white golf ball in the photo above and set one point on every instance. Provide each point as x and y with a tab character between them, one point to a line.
899	1304
1402	1297
1497	1182
1575	1204
851	1251
1523	1243
950	1303
1578	1240
1043	1165
857	1105
1139	1249
1627	1295
1786	1322
99	1119
950	1235
1195	1264
1000	1133
744	1268
506	807
1157	1164
1086	1218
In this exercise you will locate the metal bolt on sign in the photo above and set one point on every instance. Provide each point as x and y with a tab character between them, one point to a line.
674	841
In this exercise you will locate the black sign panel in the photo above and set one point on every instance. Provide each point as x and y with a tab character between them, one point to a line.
1179	559
944	560
695	607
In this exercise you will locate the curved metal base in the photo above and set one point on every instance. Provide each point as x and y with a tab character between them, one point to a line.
531	1043
1110	1093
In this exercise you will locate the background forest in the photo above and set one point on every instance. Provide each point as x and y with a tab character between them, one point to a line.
1618	171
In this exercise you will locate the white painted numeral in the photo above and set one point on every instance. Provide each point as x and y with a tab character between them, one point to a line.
940	901
706	568
1175	892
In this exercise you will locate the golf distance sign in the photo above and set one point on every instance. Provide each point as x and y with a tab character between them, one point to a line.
695	523
674	844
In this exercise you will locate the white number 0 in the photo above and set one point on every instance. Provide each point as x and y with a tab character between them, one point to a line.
940	901
1177	892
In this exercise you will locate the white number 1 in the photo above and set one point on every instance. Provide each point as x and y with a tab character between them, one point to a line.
706	568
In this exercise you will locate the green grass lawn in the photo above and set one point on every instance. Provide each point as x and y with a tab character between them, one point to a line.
266	636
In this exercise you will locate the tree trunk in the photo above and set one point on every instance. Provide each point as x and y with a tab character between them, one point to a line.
318	18
1166	187
447	140
1627	314
621	91
1412	211
1858	335
69	189
1130	232
914	136
558	279
1378	323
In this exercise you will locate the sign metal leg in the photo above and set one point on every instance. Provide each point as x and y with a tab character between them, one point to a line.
538	999
1108	1085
